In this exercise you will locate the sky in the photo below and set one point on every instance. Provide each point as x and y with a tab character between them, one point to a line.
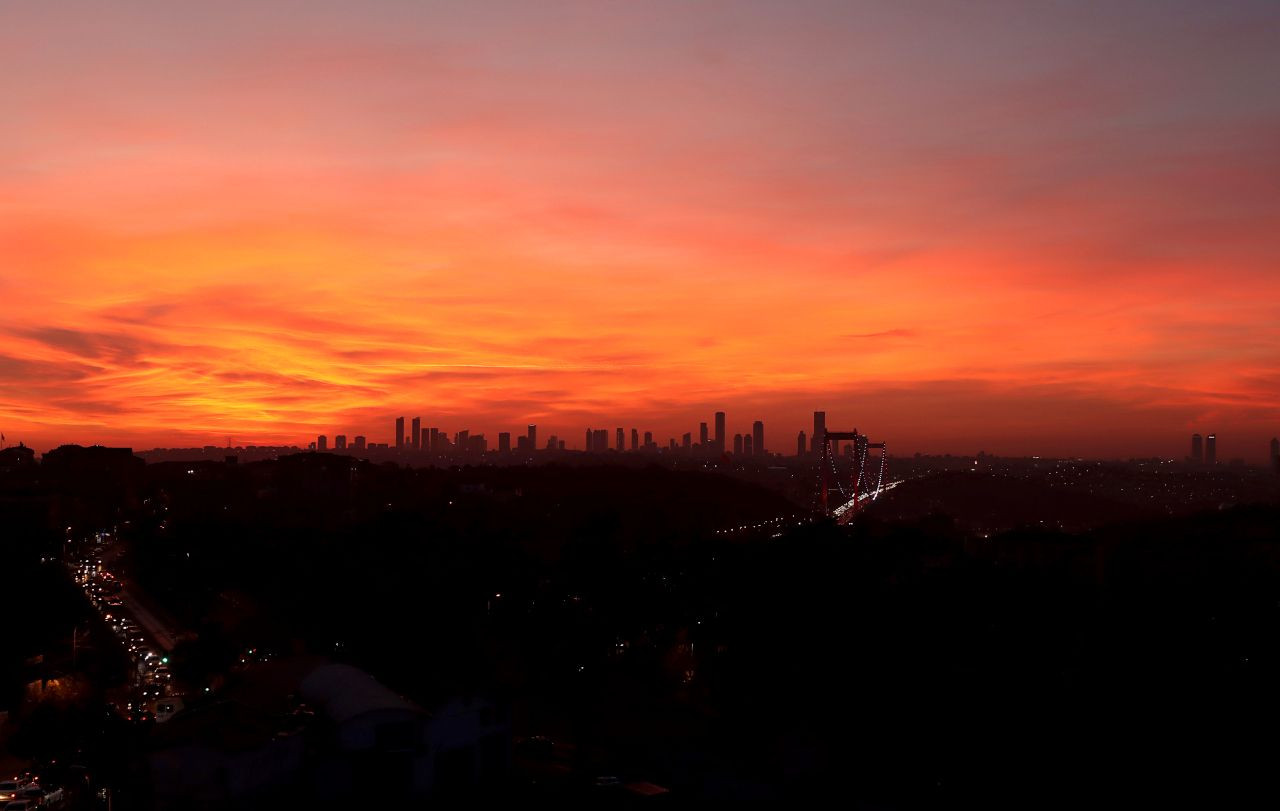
1021	227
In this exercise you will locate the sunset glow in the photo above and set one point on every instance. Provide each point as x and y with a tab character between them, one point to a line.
952	226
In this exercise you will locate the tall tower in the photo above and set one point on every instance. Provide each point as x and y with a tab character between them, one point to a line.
340	442
737	444
415	434
635	439
719	432
399	432
322	443
1211	449
1197	449
702	435
801	444
504	442
748	447
757	438
622	440
533	437
819	430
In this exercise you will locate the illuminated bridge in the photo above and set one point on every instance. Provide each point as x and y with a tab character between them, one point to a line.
846	486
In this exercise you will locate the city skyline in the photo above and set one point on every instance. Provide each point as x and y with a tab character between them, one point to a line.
281	218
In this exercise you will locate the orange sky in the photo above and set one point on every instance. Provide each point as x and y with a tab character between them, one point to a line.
951	227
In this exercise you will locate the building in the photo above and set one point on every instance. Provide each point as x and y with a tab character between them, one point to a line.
600	440
757	438
819	430
360	443
635	439
18	456
415	435
737	444
340	442
622	440
801	445
747	445
686	441
648	438
504	442
435	440
533	437
702	435
720	446
399	433
322	443
1211	449
1197	449
358	743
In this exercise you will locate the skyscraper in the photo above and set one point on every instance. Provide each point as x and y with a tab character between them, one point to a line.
801	446
322	443
635	439
737	444
504	442
819	430
622	440
533	437
415	435
648	438
686	441
586	444
360	443
702	435
748	447
720	432
757	438
1211	449
399	432
435	440
1197	449
340	442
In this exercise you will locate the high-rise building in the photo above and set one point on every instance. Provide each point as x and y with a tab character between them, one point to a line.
600	443
801	445
622	440
554	443
399	432
635	439
686	441
702	435
1197	449
748	447
504	442
1211	449
533	437
737	444
757	438
587	441
648	438
360	443
720	432
322	443
340	442
560	446
415	434
819	430
435	440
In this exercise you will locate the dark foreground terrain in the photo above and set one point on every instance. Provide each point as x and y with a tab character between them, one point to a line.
599	639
